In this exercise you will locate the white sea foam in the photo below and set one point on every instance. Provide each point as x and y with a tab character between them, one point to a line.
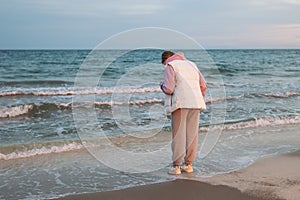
6	112
14	111
218	99
283	95
260	122
103	91
72	91
140	101
41	151
59	148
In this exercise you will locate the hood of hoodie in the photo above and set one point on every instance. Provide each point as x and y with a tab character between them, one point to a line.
176	56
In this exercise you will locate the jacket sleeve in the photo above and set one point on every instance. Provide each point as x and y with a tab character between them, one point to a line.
168	86
202	83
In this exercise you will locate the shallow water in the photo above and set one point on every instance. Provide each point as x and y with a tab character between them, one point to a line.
77	171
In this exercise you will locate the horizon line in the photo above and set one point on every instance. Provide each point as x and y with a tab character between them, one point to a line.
65	49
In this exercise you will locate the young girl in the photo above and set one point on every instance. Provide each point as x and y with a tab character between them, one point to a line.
185	85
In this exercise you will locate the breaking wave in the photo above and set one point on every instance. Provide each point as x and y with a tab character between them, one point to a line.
25	151
72	91
35	149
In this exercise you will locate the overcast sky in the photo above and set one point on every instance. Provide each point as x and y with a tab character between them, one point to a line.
68	24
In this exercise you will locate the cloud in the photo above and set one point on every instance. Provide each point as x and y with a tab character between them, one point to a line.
141	9
96	7
258	36
274	3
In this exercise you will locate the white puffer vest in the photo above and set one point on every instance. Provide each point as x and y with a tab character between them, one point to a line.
187	93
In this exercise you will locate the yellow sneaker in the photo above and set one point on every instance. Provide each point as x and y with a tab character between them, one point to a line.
187	168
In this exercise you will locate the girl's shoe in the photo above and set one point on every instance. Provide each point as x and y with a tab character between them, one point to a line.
175	170
187	168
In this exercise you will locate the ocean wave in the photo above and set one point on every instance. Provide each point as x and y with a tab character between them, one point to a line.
36	149
7	112
34	82
283	95
258	122
70	91
15	111
218	99
18	110
22	152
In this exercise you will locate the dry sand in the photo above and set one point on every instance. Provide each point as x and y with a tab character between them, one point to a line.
270	178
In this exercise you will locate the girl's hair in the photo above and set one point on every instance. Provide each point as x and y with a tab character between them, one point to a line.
165	55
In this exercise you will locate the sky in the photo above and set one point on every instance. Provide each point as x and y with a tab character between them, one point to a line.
83	24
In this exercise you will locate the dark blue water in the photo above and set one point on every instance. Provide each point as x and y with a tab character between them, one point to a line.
37	88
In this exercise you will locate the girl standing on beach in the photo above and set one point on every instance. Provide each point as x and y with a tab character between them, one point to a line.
185	87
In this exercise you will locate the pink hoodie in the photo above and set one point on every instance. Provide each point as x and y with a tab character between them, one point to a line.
168	86
176	56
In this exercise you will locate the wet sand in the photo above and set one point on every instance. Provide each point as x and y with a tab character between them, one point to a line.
272	178
177	189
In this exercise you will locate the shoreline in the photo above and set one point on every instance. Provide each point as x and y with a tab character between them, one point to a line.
270	178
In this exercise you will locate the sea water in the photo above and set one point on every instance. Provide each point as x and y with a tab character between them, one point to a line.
42	154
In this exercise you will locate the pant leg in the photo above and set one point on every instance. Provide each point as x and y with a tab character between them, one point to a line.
178	135
192	128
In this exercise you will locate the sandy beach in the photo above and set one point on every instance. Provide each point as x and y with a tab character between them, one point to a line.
271	178
275	177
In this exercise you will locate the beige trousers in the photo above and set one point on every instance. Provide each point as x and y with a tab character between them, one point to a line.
185	125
